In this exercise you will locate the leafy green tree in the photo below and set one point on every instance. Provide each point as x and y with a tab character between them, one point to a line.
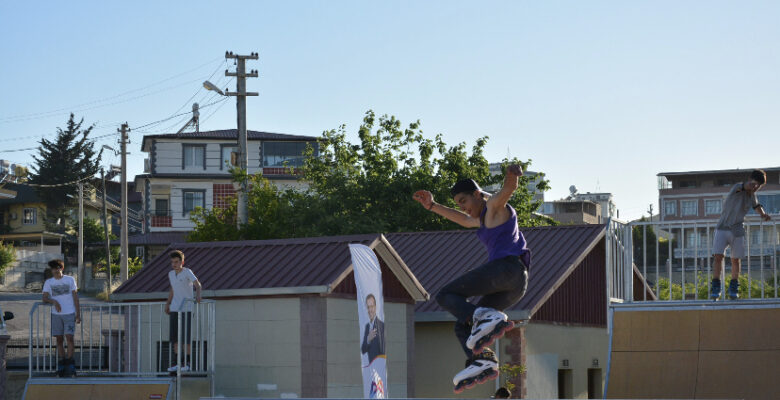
365	187
69	157
7	256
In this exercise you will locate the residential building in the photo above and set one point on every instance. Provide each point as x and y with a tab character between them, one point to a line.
189	170
698	195
691	203
570	211
22	222
604	200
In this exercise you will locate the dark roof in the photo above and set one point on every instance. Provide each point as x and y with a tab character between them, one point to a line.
716	171
227	134
155	239
24	194
252	264
436	258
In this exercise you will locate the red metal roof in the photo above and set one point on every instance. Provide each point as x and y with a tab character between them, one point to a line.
436	258
253	264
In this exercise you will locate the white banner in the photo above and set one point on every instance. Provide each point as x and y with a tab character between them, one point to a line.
371	315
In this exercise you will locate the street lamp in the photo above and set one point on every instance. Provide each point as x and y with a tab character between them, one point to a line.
210	86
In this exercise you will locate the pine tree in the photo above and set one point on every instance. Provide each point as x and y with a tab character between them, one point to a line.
68	158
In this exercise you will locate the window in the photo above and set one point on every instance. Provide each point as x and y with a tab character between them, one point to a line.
226	158
670	207
281	154
693	239
161	207
192	199
193	155
687	184
712	207
689	207
771	203
30	216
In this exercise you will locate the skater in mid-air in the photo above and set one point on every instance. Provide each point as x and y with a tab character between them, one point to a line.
501	281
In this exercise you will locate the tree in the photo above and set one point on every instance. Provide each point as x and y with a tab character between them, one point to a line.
365	187
7	256
68	158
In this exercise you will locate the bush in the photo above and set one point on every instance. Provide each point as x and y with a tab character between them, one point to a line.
703	287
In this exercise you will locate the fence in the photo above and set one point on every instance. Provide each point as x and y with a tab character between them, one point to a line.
675	258
127	339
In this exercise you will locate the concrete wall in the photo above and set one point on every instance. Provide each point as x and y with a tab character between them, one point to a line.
258	342
343	346
438	357
548	345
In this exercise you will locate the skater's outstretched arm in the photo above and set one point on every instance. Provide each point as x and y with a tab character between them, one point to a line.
425	198
497	202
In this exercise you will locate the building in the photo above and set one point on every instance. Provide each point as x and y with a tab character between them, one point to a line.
604	200
698	195
535	179
690	204
298	298
189	170
22	222
573	212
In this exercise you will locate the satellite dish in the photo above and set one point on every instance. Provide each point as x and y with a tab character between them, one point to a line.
573	190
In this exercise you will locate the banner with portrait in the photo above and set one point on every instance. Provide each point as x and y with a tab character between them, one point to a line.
371	317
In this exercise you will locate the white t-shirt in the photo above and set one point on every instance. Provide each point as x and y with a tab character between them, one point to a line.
182	286
61	290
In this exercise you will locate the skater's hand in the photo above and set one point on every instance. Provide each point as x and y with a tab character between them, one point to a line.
78	318
167	308
372	334
514	170
57	306
766	217
425	198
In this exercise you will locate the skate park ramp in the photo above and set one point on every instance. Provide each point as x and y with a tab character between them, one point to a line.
99	388
695	350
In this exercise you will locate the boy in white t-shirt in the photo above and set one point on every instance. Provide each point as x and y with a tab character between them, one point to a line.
180	297
61	292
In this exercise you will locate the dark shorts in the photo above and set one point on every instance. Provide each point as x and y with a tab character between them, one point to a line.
186	326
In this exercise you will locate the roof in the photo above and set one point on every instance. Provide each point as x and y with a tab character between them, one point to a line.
438	257
24	194
716	171
268	267
223	134
155	238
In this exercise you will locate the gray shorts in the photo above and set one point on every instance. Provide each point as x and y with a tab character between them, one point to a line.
63	324
725	239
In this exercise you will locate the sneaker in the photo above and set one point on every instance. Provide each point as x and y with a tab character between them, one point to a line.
734	289
175	367
484	322
715	289
480	368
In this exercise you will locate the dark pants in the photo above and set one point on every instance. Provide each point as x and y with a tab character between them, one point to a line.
501	282
186	325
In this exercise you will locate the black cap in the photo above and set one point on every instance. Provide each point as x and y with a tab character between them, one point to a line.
465	185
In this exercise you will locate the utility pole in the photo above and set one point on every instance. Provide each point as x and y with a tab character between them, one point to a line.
651	212
243	157
105	228
82	278
123	235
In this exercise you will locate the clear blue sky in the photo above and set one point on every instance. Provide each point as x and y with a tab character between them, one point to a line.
599	94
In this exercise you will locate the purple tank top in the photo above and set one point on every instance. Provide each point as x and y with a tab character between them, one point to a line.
504	240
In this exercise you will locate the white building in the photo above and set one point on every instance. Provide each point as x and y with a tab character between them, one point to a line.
189	170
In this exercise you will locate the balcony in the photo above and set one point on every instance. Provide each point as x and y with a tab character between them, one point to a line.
162	219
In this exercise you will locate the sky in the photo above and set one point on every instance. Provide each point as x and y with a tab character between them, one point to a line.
602	95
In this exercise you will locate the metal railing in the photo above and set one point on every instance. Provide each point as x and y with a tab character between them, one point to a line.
126	339
675	258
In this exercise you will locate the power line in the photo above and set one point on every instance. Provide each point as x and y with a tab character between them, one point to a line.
22	117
